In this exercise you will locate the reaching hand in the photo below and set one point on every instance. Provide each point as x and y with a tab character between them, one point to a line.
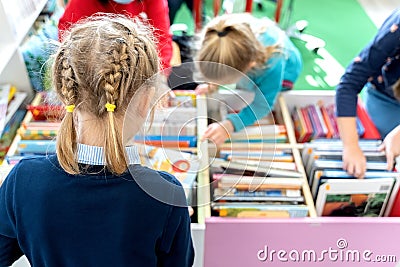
354	161
391	146
218	132
205	88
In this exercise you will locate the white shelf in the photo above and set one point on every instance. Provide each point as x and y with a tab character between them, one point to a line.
6	52
23	28
13	33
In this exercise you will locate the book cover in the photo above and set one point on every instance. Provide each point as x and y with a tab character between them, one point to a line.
322	175
183	165
354	197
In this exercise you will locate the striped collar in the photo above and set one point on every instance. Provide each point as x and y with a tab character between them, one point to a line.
93	155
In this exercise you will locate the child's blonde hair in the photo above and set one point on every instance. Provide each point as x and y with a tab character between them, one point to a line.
100	65
230	40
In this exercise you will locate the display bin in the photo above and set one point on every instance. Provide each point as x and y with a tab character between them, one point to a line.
220	241
237	241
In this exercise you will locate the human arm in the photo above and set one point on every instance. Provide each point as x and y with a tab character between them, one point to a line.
176	248
266	86
391	146
367	65
9	248
157	14
354	161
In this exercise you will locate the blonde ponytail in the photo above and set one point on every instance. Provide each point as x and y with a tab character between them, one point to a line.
66	141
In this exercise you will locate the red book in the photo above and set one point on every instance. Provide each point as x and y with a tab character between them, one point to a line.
370	130
309	128
395	212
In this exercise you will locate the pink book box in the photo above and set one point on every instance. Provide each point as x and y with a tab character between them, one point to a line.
321	241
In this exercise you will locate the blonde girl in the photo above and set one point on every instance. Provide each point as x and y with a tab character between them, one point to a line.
263	57
82	207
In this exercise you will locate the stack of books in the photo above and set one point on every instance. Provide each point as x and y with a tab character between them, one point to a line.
11	115
257	188
319	121
37	136
265	133
337	193
173	126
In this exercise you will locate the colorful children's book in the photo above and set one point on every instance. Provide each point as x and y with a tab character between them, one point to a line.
323	175
184	166
354	197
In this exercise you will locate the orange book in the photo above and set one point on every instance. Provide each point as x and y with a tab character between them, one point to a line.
327	121
162	143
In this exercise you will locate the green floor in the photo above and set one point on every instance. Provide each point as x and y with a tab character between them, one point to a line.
342	24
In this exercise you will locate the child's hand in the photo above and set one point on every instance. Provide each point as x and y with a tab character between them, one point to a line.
391	146
354	161
191	211
205	88
218	132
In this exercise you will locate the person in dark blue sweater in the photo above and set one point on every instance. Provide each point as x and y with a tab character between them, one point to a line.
90	204
377	69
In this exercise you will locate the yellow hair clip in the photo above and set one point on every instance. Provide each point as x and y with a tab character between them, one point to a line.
110	107
70	108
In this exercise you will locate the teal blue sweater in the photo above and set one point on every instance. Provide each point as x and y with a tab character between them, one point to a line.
279	73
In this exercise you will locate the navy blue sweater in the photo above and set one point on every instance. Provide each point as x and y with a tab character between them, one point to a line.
57	219
378	63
